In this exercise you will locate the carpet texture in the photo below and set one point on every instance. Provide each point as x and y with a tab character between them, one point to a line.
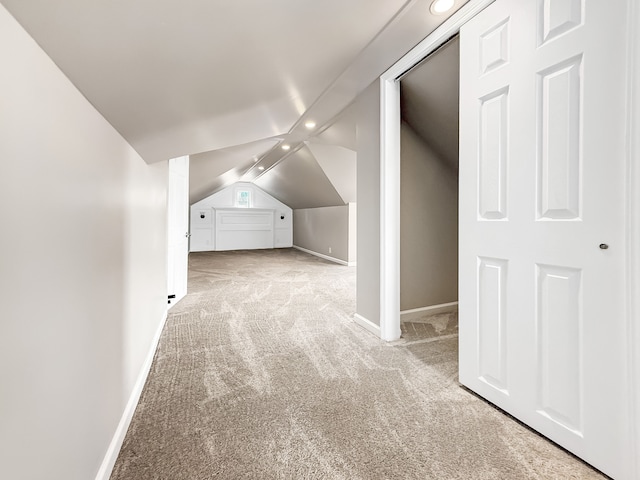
261	373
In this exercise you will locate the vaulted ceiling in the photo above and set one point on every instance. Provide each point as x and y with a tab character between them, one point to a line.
230	81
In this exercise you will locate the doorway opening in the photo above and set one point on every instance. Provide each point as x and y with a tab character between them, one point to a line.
429	98
390	210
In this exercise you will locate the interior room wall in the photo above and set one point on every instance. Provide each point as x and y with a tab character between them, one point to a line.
428	225
146	243
326	231
353	233
203	218
83	271
368	195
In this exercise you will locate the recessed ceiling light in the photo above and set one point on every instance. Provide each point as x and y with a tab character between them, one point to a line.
285	147
310	124
255	159
260	167
438	7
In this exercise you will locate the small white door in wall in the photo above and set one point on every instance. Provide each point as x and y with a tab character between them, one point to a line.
542	232
178	227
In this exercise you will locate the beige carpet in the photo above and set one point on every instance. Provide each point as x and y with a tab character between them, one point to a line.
262	374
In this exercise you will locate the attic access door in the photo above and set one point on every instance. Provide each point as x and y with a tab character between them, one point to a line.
542	232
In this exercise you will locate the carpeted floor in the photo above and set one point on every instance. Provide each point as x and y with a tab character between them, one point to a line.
262	374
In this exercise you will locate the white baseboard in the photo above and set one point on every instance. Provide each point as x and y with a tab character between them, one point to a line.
201	249
406	315
326	257
116	442
367	324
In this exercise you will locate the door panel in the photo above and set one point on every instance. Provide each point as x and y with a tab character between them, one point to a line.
558	17
559	140
542	319
492	325
492	169
559	356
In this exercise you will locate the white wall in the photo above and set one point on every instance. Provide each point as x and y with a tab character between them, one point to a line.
368	194
353	233
83	275
327	231
428	225
203	231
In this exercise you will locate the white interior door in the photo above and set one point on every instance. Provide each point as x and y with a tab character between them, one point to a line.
542	125
178	227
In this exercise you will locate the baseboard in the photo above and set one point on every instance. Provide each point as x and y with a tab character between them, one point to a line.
406	315
116	442
326	257
367	324
203	249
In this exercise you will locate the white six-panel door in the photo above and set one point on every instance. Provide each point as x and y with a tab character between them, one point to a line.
542	239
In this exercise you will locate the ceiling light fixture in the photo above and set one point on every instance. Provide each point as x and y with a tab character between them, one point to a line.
285	147
310	124
260	167
438	7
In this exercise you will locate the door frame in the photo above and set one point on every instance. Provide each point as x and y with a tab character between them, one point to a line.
390	190
633	223
390	164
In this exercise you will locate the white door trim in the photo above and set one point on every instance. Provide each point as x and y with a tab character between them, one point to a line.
390	165
633	224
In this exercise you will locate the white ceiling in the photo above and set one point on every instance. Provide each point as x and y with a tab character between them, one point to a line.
194	76
299	182
339	165
214	170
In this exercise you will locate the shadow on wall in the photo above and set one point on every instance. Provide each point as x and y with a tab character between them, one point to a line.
328	232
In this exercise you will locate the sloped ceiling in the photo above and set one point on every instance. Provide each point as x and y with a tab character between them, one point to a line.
341	132
430	99
299	182
339	165
190	77
211	171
